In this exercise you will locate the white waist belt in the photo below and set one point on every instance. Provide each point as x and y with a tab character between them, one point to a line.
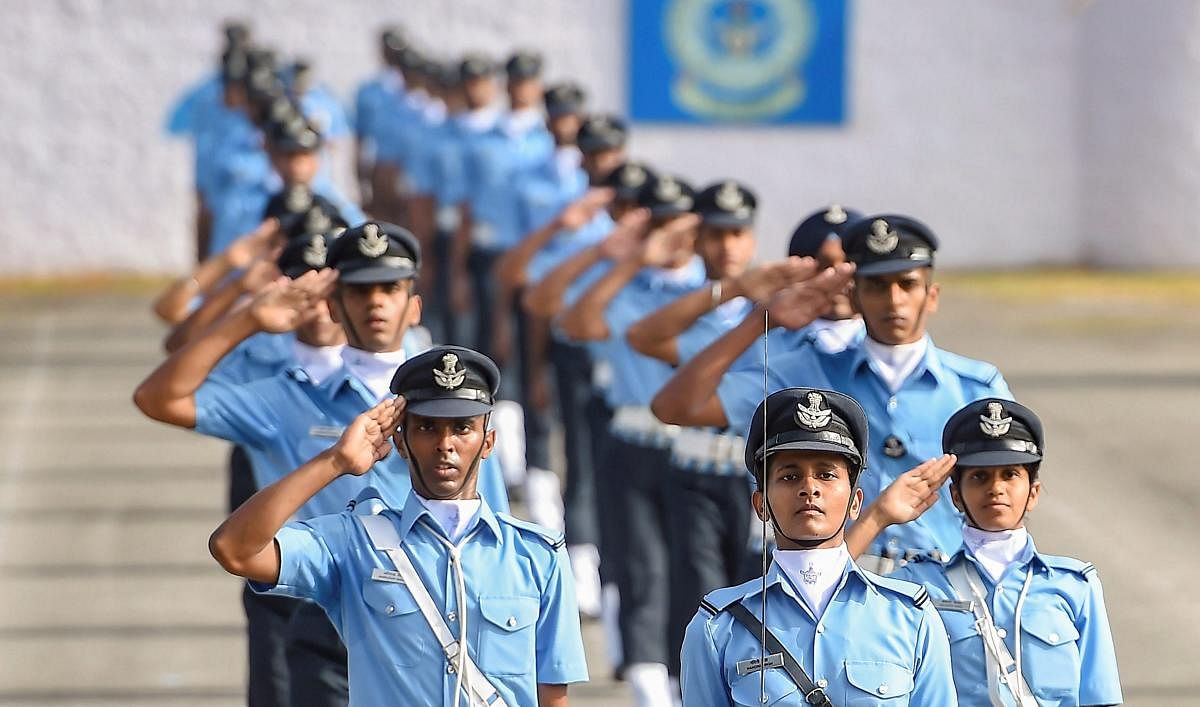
705	450
448	218
636	424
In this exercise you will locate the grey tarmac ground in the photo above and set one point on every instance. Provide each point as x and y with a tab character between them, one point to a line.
108	596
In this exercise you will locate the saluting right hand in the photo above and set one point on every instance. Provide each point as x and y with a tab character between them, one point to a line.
798	304
285	304
368	438
254	245
760	283
579	212
664	244
914	492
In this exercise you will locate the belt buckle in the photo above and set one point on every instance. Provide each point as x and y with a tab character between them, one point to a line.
817	697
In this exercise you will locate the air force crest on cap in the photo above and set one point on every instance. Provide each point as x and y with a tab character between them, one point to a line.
882	240
317	221
729	197
633	176
451	376
297	199
813	417
667	190
995	423
836	215
315	252
372	243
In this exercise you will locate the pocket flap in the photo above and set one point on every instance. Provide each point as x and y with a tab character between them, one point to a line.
880	678
388	598
1050	627
509	613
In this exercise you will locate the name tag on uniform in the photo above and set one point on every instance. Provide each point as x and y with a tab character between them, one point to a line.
381	575
745	667
948	605
322	431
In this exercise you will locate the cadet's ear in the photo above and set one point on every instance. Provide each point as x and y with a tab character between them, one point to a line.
756	500
1035	492
856	504
489	443
956	493
414	308
934	296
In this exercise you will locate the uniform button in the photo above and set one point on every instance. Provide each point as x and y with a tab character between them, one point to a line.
822	683
390	609
1003	633
512	622
1003	679
892	404
450	668
452	616
821	628
1054	638
882	689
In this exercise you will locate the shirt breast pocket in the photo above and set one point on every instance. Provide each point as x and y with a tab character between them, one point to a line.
1051	652
507	634
877	683
747	690
395	615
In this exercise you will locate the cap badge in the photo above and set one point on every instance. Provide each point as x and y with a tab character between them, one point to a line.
893	447
317	221
836	215
372	243
810	575
813	417
633	176
315	252
729	197
882	240
448	377
995	423
297	199
668	190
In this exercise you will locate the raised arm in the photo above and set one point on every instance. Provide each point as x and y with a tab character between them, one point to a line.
511	267
168	394
904	500
245	543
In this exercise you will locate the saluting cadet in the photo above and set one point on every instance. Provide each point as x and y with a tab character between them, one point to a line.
441	600
834	633
908	386
293	415
658	269
1026	628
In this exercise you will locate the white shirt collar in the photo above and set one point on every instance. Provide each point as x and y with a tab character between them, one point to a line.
454	517
520	122
995	549
317	361
480	120
815	574
895	363
374	370
836	335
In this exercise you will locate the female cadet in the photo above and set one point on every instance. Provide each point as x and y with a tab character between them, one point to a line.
998	587
834	634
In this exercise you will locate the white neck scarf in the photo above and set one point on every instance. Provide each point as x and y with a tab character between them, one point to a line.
519	122
814	573
896	363
454	517
566	162
480	120
995	549
374	370
317	361
836	335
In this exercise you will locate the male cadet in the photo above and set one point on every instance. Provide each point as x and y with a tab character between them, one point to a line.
907	386
495	163
292	416
441	599
294	146
834	633
661	268
371	101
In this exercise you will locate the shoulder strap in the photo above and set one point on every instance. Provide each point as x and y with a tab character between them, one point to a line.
385	539
967	584
813	695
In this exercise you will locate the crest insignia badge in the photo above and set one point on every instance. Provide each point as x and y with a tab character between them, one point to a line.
667	190
882	239
893	447
372	243
729	197
297	199
836	215
315	252
813	417
995	423
450	377
633	177
810	575
317	221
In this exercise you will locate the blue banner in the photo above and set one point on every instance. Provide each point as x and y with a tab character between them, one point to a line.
737	61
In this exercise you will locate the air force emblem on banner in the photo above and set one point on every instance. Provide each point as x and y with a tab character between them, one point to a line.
813	417
882	239
451	376
373	243
995	423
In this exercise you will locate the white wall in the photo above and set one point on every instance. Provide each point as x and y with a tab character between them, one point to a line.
968	115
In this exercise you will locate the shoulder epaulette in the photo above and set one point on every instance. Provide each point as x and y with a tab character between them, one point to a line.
551	538
1069	564
980	371
368	502
912	591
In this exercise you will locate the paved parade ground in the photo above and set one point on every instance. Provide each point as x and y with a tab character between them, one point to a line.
108	595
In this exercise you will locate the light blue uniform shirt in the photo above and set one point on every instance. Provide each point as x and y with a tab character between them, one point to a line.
372	100
879	642
1067	655
522	621
496	163
186	115
942	383
566	245
326	112
286	420
637	378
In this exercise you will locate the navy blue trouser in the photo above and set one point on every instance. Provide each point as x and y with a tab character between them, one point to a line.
316	660
579	410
